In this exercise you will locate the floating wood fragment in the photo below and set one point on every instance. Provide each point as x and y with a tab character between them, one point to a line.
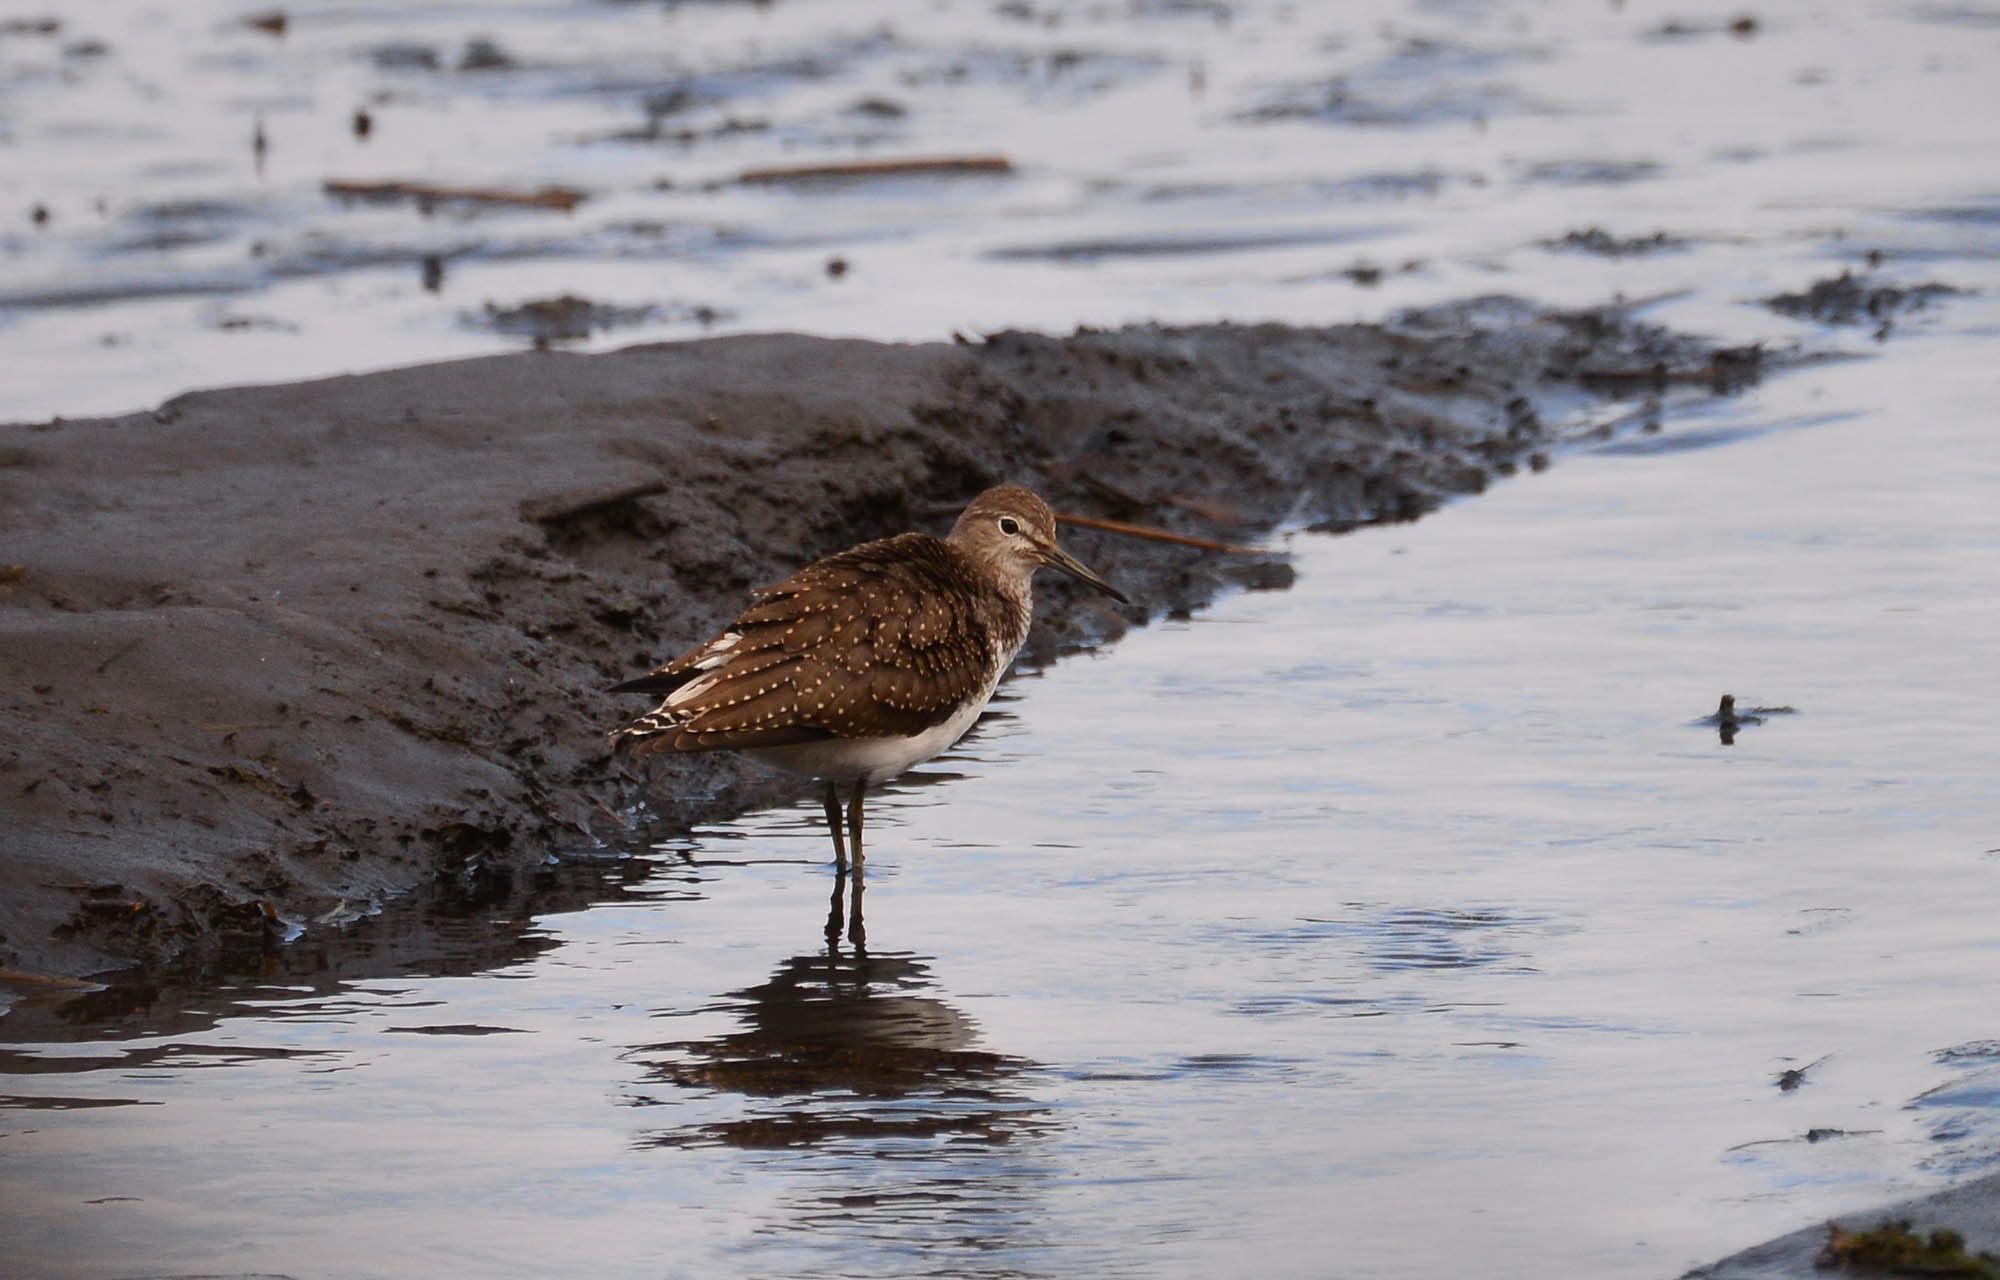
563	199
1157	535
879	168
47	981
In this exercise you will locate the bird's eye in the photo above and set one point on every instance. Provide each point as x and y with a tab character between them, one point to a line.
1009	525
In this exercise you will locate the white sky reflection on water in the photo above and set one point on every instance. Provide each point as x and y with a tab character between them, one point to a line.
1440	144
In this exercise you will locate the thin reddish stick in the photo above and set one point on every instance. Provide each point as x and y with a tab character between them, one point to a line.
1157	535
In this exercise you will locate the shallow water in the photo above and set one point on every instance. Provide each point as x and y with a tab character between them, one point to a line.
1400	923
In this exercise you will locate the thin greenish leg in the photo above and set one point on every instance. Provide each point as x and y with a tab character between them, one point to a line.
854	821
833	826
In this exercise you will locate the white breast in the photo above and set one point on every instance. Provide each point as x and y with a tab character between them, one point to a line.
873	760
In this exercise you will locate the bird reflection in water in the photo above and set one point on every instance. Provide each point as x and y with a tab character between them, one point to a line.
856	1051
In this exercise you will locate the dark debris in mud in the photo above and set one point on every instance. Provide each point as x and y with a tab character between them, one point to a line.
1742	26
1598	241
1851	299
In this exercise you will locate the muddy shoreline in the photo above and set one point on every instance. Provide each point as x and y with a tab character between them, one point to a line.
1891	1240
282	653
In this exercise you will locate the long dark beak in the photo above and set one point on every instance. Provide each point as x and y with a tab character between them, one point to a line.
1057	558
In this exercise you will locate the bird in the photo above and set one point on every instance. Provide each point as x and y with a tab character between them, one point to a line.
868	662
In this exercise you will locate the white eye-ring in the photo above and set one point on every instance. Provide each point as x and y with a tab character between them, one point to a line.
1009	525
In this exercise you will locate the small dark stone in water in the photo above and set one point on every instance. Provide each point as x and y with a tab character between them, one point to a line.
482	54
271	23
836	267
670	102
1367	276
364	124
1728	718
405	57
39	215
880	108
433	268
1744	27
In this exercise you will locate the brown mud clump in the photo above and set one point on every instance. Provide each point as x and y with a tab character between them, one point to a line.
279	654
1852	299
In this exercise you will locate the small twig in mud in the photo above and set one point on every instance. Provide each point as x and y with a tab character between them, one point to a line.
1208	509
608	812
1214	512
21	978
105	665
547	511
1111	493
560	198
1157	535
879	169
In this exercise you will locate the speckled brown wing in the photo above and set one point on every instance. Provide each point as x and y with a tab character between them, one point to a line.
886	639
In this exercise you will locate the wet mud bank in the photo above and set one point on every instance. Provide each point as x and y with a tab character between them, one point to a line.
278	654
1954	1232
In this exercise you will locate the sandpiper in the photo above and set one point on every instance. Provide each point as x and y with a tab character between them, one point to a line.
868	662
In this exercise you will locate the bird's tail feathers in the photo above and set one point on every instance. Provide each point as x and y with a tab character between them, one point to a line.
637	733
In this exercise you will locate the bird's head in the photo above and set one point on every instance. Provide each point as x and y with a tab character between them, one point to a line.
1013	530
